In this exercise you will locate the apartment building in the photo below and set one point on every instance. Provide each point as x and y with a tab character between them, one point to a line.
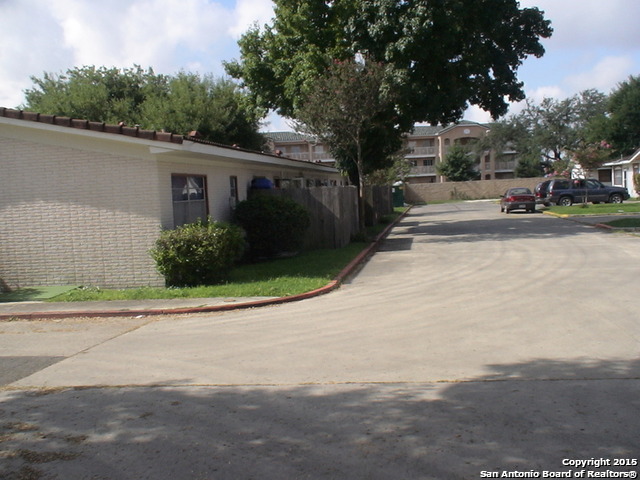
425	147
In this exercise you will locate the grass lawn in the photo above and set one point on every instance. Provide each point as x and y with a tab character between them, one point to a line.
599	209
274	278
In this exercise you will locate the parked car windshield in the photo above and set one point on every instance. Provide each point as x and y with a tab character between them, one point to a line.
520	191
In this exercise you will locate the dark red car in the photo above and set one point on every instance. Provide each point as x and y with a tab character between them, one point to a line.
518	198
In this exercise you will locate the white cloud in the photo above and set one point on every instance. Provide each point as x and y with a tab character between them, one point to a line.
168	35
156	33
275	123
248	12
590	23
476	114
29	45
595	44
604	75
550	91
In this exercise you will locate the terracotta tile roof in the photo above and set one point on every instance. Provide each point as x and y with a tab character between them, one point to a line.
124	130
93	126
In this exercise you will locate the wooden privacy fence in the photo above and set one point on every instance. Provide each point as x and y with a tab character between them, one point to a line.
334	211
378	202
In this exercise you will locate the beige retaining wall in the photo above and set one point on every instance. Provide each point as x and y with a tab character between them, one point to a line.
475	190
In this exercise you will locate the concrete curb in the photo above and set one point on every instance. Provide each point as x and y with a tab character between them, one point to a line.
349	270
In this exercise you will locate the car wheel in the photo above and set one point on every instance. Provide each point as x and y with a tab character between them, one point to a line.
615	198
565	202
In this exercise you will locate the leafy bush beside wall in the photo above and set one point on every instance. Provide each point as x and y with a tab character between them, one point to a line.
273	224
200	253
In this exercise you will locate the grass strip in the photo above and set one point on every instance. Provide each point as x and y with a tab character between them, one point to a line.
625	223
597	209
274	278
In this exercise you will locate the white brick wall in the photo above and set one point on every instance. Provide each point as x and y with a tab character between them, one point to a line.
68	216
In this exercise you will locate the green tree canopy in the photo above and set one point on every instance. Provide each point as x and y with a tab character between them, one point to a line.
528	167
551	130
443	55
622	127
100	94
216	108
459	165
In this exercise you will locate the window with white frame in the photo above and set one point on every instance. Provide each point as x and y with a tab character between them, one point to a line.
189	193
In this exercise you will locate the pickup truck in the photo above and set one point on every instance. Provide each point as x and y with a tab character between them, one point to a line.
567	192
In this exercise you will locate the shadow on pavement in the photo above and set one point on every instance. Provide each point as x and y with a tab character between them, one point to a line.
522	417
13	368
428	227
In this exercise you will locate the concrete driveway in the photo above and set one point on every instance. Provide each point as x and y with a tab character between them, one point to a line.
472	343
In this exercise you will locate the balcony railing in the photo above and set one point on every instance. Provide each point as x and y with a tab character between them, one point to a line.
421	151
423	170
509	165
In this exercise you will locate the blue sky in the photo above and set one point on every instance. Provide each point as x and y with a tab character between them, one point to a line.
596	43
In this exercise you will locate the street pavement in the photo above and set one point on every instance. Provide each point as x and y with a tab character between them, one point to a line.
472	343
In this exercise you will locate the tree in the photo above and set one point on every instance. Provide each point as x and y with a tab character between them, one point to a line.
185	102
589	156
443	56
398	171
529	167
551	130
214	108
349	110
459	165
100	94
622	127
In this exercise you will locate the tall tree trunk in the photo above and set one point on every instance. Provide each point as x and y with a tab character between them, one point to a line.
361	196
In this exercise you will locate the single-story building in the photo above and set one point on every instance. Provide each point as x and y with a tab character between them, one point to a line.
620	173
81	203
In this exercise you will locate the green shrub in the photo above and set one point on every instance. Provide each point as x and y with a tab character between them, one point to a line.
200	253
273	224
